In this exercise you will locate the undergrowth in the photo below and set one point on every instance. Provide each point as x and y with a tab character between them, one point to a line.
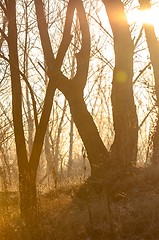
130	212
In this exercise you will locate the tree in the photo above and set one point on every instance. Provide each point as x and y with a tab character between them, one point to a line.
124	148
27	165
73	89
122	155
153	46
124	111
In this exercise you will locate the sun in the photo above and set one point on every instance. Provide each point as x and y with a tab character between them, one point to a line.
147	16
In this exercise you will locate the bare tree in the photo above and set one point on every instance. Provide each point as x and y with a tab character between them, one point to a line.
27	165
124	148
73	89
72	84
153	46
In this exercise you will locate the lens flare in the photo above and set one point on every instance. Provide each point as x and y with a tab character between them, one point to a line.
121	77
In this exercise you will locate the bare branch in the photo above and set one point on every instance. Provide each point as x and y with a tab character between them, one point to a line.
3	8
2	31
141	72
140	34
30	89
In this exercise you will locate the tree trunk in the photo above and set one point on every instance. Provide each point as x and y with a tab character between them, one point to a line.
49	158
155	152
27	167
69	166
124	148
97	153
27	195
17	115
28	204
153	46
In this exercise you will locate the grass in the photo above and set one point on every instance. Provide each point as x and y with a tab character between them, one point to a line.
131	212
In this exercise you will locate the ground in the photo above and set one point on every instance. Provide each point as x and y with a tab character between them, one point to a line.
130	211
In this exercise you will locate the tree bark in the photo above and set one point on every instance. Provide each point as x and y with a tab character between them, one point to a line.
28	197
97	153
124	148
153	46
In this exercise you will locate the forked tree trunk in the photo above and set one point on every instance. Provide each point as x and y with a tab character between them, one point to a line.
124	149
27	167
17	112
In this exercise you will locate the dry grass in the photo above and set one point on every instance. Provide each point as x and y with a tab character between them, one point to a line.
131	213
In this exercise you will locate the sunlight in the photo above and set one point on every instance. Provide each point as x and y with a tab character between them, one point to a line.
146	16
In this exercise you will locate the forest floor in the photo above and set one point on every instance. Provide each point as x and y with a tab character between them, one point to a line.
131	213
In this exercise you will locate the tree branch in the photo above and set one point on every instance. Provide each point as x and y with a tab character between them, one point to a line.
30	89
3	34
44	35
3	8
66	40
83	56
